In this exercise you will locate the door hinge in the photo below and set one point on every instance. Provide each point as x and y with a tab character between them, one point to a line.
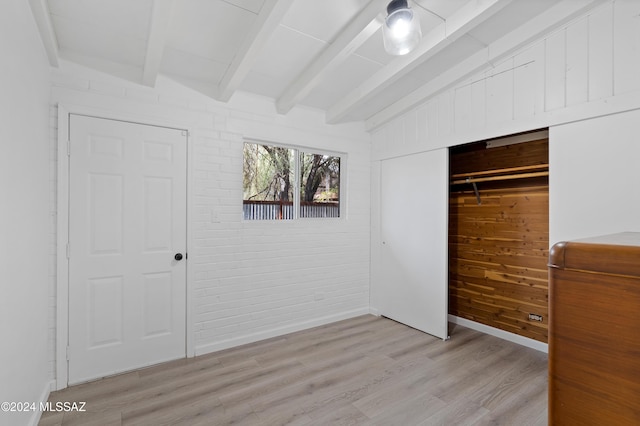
68	148
68	351
68	251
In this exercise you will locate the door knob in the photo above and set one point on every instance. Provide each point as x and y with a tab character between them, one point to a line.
178	256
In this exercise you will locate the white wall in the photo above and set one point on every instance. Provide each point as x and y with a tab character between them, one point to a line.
248	280
594	182
24	220
589	68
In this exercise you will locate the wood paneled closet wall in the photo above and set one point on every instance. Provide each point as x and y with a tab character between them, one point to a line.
499	233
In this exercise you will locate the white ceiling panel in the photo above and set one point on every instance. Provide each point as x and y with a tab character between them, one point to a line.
441	8
200	68
98	40
322	19
428	21
263	85
373	49
325	54
510	18
211	29
341	81
253	6
287	54
123	17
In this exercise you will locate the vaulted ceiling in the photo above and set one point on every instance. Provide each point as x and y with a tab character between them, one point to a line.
326	54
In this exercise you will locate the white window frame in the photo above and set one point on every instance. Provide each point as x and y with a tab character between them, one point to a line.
296	180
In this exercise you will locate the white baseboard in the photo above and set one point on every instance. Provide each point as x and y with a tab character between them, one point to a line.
511	337
44	397
255	337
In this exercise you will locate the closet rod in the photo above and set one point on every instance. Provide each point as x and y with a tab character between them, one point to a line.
497	178
502	171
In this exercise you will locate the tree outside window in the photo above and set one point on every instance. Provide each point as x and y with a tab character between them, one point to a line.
319	185
269	180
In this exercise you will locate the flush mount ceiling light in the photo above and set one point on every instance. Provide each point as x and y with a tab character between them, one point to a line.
401	30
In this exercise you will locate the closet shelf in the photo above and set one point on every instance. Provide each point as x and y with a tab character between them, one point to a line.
510	173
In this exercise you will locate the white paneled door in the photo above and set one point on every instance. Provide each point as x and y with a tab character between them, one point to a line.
127	242
414	236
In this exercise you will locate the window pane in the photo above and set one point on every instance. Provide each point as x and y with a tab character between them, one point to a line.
319	185
268	181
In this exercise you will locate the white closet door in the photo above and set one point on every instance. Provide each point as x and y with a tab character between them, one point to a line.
414	237
127	223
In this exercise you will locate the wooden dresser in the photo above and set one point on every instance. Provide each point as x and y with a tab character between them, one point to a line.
594	331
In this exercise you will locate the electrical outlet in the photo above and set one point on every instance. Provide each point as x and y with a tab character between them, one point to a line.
535	317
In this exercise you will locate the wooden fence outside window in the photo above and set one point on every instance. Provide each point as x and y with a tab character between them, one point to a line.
276	210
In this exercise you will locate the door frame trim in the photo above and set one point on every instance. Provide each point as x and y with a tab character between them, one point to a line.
62	225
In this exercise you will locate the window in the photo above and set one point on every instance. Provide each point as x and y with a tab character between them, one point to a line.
319	185
271	175
268	178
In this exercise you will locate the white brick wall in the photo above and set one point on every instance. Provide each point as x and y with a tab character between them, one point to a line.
248	280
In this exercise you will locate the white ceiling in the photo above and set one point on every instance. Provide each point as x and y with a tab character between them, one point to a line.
326	54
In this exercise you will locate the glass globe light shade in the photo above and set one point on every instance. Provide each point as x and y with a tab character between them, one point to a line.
401	30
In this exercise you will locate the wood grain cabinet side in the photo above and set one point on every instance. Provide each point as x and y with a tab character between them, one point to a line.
594	331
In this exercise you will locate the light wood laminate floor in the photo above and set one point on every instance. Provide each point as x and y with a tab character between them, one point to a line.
362	371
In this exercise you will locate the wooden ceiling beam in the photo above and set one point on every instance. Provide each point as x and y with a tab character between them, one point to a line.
42	16
465	19
161	15
359	30
265	24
